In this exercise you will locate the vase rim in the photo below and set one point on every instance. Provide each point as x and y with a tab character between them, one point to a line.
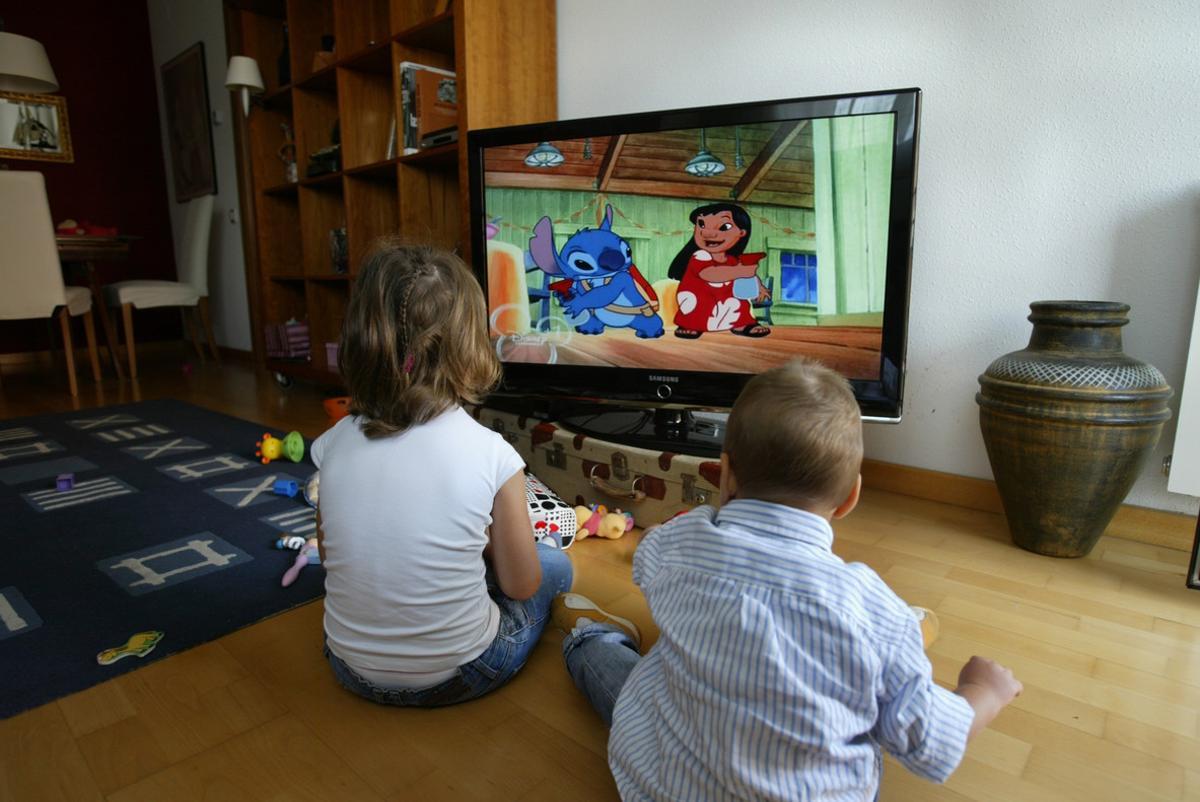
1079	306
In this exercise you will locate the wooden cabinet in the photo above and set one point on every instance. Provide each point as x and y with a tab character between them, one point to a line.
503	52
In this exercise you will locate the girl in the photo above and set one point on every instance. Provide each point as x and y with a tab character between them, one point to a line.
711	270
435	592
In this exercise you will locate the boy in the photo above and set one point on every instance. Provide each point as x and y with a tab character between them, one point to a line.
781	672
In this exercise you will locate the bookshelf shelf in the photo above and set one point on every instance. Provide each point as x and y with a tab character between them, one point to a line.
295	231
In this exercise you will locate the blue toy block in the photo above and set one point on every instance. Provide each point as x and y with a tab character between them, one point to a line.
286	487
64	482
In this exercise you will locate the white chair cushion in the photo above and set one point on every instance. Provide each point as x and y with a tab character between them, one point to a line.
144	294
79	301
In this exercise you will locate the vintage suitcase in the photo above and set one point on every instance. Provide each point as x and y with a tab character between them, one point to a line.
652	485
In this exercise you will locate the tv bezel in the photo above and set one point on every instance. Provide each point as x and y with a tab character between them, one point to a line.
880	399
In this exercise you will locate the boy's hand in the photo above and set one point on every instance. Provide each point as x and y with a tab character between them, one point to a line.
988	687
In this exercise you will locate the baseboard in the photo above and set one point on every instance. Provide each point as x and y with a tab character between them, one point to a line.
1142	524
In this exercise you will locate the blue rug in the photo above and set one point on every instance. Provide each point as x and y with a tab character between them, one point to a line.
170	527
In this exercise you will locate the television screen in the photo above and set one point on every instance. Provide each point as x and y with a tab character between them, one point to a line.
669	256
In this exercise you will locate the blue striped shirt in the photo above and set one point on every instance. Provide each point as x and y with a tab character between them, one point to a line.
780	672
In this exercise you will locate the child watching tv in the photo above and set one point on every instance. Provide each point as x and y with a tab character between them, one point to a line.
435	591
781	672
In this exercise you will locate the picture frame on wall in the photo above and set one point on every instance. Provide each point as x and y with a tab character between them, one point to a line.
189	130
34	127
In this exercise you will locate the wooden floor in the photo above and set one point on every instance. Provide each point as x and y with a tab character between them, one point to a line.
1108	648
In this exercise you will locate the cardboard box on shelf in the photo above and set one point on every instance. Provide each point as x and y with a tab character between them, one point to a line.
428	104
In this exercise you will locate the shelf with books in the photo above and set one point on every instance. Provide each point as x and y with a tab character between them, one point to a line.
334	80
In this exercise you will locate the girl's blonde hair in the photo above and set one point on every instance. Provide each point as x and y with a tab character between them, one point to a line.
414	341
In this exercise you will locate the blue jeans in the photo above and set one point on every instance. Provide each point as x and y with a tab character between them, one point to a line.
521	624
599	658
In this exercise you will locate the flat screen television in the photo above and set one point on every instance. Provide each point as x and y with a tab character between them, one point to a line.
657	261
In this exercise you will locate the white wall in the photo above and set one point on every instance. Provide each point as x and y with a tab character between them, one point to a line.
1060	159
175	26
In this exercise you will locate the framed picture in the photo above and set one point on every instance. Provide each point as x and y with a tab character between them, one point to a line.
34	127
189	131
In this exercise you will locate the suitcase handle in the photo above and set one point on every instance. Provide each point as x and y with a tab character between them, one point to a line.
603	485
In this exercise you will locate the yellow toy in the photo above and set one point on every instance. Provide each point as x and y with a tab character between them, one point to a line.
597	520
270	447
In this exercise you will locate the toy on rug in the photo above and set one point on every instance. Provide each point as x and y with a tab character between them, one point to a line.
309	554
138	645
312	488
597	520
271	447
64	482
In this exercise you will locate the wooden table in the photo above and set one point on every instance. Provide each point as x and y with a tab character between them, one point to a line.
85	251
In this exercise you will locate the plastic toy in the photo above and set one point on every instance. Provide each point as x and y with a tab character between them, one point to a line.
286	487
308	554
554	521
597	520
64	482
271	447
138	645
337	408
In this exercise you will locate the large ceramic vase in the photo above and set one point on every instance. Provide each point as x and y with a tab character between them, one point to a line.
1069	423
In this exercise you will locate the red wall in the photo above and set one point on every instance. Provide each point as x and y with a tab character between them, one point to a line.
100	52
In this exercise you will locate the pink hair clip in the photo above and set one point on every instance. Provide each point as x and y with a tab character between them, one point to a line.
408	363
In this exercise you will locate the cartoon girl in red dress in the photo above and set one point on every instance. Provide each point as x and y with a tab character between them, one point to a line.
717	280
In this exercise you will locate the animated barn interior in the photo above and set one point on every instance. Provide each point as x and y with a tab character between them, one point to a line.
810	187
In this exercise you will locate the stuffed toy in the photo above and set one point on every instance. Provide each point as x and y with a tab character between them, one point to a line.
597	520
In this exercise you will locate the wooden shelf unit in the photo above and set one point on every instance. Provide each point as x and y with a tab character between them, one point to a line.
503	52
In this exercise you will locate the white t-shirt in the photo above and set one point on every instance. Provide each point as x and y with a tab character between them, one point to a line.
404	521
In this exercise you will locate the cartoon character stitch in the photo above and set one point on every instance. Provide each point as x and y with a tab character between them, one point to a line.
601	286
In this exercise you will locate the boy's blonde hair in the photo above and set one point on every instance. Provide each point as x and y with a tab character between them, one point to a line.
795	436
414	341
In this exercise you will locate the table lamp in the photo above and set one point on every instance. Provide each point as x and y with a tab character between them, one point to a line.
24	66
244	74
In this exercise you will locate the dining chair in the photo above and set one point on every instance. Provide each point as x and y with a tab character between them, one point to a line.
30	272
190	293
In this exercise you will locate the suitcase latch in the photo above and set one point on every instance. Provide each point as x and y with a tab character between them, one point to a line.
691	493
499	427
556	456
620	466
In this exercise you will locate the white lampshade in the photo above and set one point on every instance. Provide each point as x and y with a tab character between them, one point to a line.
243	74
24	66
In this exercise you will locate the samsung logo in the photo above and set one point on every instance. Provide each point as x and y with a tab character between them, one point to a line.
673	379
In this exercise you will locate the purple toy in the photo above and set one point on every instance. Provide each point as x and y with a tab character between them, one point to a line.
64	482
